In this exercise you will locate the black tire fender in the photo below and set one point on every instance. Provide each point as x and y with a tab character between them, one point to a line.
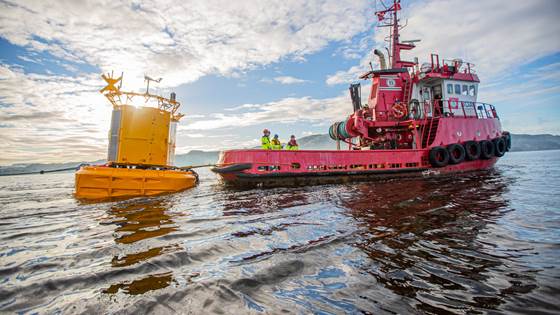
507	138
456	153
438	156
500	146
486	149
472	150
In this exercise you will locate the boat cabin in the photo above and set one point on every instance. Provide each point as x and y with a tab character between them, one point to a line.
452	88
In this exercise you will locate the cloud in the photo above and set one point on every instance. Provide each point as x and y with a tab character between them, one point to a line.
287	110
346	76
30	116
495	35
52	118
289	80
180	41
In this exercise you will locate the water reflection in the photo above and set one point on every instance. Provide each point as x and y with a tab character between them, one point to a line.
261	201
424	242
141	222
150	283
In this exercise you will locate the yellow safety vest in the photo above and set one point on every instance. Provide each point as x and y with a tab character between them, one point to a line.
265	143
292	147
276	145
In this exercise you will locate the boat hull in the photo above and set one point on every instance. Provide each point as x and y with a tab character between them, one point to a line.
102	182
276	168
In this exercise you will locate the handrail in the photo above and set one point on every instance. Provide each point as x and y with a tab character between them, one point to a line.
448	108
461	109
460	66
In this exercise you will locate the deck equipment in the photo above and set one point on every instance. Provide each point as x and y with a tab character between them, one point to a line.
418	120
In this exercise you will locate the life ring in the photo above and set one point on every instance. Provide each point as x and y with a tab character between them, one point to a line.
486	149
438	157
472	150
456	153
500	146
399	110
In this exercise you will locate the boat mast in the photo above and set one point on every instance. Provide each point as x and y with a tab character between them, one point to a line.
395	45
396	58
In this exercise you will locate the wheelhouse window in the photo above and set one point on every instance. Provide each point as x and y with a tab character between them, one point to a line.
465	90
449	88
458	89
472	90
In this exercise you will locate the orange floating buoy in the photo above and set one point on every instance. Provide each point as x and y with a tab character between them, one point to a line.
141	149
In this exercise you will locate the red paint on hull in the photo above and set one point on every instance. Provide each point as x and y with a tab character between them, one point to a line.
276	168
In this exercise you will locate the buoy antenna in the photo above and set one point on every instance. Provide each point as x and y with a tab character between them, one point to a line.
148	79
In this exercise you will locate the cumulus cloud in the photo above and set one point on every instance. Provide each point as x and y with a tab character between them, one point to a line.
494	35
51	118
287	110
180	41
289	80
346	76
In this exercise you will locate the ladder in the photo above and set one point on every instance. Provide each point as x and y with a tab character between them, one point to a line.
407	89
430	131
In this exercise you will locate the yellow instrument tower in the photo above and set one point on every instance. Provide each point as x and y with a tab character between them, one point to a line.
141	148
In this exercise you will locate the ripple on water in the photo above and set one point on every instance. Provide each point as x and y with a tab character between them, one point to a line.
471	243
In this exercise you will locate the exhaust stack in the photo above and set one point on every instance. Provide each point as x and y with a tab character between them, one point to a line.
382	62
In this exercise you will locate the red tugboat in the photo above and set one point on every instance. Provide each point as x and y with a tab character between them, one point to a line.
419	120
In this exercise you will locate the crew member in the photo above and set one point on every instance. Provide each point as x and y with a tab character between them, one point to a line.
265	140
275	143
292	144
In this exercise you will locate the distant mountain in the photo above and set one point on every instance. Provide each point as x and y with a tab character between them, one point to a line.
38	167
196	157
520	142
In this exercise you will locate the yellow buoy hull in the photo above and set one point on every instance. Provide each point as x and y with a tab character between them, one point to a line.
100	182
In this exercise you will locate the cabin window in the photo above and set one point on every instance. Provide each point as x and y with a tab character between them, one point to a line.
472	90
458	89
465	90
449	88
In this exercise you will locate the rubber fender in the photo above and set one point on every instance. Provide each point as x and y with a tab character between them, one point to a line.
456	153
234	168
500	146
472	150
486	149
438	157
507	138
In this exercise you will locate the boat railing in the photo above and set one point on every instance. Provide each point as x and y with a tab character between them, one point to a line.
447	65
459	66
458	109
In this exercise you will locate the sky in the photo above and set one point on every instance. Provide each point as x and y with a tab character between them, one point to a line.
240	66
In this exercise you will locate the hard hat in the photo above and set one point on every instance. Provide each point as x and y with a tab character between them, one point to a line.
275	136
